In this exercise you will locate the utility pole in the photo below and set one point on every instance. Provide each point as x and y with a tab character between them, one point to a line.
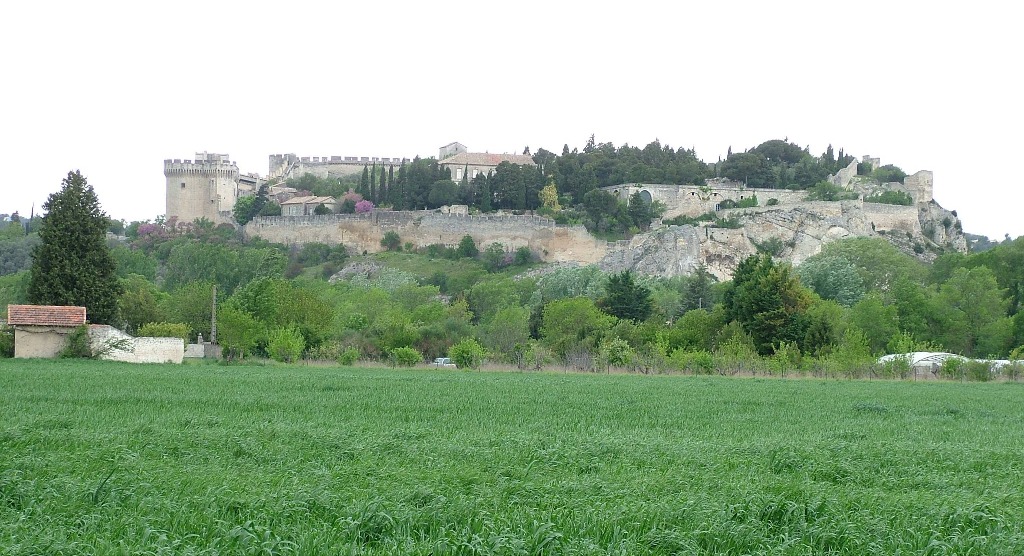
213	317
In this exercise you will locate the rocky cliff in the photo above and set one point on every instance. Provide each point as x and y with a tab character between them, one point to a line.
790	233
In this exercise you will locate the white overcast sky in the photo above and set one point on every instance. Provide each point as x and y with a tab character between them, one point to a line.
114	88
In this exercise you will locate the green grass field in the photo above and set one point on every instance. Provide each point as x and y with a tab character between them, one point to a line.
101	458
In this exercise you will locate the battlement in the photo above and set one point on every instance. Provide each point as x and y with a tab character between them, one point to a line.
335	159
223	168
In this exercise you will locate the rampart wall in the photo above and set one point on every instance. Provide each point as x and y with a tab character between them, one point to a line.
292	166
693	200
363	232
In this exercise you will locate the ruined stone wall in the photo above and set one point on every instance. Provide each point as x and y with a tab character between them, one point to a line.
843	177
892	217
692	200
919	185
363	232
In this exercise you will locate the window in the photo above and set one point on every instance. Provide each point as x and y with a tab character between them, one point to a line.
183	185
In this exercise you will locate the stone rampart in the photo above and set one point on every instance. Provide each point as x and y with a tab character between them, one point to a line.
694	200
885	217
291	166
363	232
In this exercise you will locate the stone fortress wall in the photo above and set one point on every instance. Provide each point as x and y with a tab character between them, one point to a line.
363	232
285	166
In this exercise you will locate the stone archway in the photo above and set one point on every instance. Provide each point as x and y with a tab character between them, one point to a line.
646	196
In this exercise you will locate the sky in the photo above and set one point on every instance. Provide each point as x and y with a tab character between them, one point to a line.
114	88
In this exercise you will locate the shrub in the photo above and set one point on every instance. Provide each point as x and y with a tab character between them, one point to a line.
888	173
404	357
327	351
391	241
348	356
731	222
787	356
952	368
697	362
1015	368
682	220
616	352
1012	370
363	206
772	202
523	256
891	198
897	367
494	257
165	330
978	371
467	354
467	247
772	246
285	345
79	344
6	341
748	202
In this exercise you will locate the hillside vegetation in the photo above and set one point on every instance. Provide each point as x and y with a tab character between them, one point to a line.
832	316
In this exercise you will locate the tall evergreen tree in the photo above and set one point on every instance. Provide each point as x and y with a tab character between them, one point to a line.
364	182
381	186
373	183
72	265
391	183
626	299
484	188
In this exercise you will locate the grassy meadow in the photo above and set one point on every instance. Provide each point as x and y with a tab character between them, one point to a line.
103	458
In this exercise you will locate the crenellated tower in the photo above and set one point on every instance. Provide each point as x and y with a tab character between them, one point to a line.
204	188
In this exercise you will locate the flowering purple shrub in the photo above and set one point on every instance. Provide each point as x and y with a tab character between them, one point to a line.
355	197
363	206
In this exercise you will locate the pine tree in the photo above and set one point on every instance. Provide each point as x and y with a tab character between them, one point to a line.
72	265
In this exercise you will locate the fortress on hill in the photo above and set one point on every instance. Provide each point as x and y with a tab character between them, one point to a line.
208	186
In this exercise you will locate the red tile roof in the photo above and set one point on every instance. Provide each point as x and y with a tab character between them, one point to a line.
45	315
487	159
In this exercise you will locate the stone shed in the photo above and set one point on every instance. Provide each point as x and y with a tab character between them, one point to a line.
42	330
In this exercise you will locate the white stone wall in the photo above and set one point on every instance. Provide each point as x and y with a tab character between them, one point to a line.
138	350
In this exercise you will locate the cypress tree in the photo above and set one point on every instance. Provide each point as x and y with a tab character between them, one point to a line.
72	265
391	183
364	182
381	186
373	183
